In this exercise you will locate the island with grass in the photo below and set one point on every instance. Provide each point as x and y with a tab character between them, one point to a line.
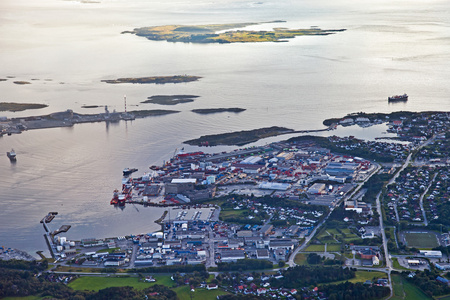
12	106
21	82
154	79
170	99
204	111
238	138
224	33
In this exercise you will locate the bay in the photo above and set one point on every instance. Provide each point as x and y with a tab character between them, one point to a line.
65	48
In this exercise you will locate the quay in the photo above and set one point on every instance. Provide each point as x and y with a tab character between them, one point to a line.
49	235
49	217
63	228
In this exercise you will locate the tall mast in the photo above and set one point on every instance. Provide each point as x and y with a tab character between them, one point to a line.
125	101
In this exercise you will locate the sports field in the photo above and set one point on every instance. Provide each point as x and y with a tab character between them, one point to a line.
421	240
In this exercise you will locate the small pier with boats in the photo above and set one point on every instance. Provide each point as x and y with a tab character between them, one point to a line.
50	235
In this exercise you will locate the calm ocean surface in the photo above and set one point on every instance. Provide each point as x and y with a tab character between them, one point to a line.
65	48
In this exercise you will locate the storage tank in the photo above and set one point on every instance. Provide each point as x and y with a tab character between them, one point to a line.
145	199
59	248
62	241
72	244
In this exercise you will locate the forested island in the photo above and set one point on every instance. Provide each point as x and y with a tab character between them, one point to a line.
154	79
212	33
238	138
204	111
12	106
170	99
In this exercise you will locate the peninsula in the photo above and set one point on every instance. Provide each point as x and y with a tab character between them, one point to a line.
170	99
238	138
12	106
205	111
155	79
68	118
223	33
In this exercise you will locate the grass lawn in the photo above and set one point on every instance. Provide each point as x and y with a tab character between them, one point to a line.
403	290
232	212
346	231
108	250
362	276
300	259
315	248
421	240
333	247
76	268
184	293
97	283
397	265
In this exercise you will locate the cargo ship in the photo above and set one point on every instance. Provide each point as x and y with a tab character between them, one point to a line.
403	97
128	171
11	155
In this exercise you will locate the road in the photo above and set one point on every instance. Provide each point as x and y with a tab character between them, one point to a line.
425	221
386	251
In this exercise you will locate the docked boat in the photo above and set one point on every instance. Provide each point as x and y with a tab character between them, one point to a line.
128	171
121	200
12	155
115	199
395	98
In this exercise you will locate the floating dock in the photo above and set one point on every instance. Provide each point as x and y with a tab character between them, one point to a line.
49	217
63	228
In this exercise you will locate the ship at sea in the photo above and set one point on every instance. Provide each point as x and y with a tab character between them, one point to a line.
403	97
11	155
128	171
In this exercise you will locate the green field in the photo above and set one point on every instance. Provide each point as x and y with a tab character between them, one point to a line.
91	283
300	259
184	293
425	240
315	248
333	247
397	265
403	290
362	276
